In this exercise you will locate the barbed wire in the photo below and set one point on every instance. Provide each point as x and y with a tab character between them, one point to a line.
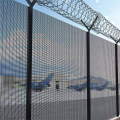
77	11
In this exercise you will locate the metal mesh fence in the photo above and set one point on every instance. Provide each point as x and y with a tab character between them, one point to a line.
59	68
59	61
103	85
13	45
119	72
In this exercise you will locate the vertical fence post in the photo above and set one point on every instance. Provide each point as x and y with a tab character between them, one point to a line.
116	75
29	64
88	77
88	67
29	60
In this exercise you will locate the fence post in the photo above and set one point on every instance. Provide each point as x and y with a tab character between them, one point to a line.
116	76
116	73
29	60
88	77
88	68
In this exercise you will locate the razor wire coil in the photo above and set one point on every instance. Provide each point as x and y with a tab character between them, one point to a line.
77	10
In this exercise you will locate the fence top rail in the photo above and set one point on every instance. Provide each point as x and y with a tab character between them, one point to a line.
78	11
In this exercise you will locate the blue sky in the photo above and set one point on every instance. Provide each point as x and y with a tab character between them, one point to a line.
109	8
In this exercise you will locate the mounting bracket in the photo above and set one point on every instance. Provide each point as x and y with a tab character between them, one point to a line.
31	3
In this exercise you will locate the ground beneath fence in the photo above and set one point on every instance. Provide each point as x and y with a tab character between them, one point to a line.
51	104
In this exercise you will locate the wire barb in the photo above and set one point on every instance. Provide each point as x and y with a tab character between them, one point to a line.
78	11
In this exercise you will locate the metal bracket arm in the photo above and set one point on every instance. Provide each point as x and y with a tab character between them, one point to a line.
116	41
31	3
91	25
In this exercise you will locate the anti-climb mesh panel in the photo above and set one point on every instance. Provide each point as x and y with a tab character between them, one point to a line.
59	85
58	70
103	87
13	51
119	72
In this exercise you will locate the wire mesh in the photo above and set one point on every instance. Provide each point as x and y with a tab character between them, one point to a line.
119	72
58	65
103	85
77	10
59	61
13	44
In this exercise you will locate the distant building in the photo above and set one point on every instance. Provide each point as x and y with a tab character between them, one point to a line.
9	81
